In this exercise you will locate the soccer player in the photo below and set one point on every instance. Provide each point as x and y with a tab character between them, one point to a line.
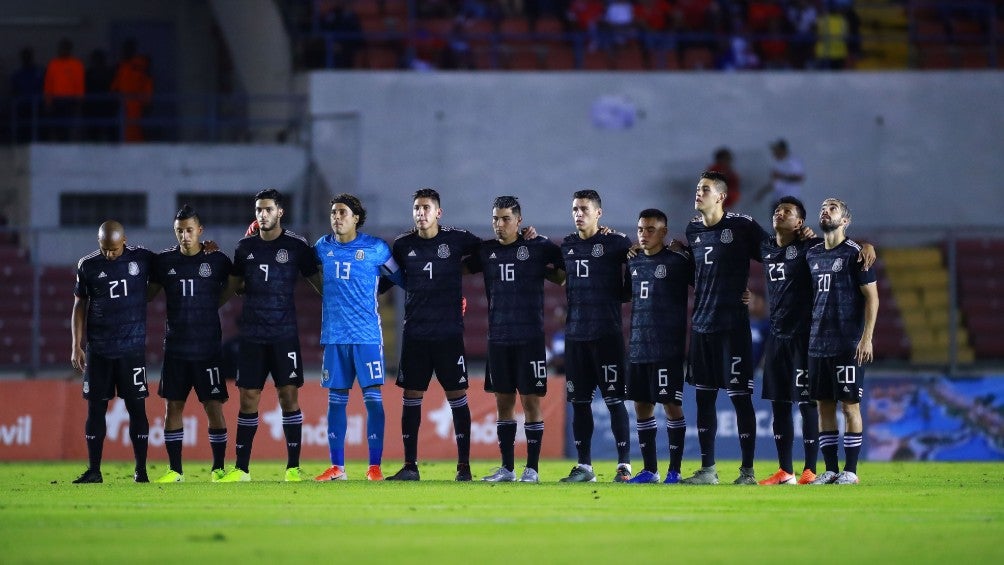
514	270
722	244
785	375
110	301
352	264
594	347
659	281
844	308
268	265
431	258
193	279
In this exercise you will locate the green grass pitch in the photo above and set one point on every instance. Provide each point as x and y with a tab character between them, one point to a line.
901	513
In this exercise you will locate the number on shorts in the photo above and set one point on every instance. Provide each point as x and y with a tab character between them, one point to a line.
214	375
801	378
663	377
139	376
847	374
539	368
462	363
376	370
735	365
609	373
292	355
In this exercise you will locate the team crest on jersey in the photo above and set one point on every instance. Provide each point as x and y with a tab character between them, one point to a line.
522	253
838	264
569	386
597	250
324	376
282	256
444	251
790	252
87	387
660	272
133	268
726	236
205	270
360	255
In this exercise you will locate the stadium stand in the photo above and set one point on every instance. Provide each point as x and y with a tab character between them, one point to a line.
979	265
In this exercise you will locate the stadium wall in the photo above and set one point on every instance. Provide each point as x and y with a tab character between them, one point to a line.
896	145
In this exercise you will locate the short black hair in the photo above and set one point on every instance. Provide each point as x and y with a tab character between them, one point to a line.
430	193
794	202
353	203
717	177
589	194
653	213
510	202
269	194
187	212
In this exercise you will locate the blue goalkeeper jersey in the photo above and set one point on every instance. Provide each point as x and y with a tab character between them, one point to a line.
351	272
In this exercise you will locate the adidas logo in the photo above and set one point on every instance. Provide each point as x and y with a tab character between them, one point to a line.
102	275
462	380
815	266
662	391
250	256
172	272
412	253
539	383
846	389
611	387
215	390
571	252
292	375
331	254
634	273
698	240
143	388
372	436
734	381
492	256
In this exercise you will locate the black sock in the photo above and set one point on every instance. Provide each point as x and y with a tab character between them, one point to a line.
411	420
677	431
247	425
507	442
746	424
647	430
828	445
810	433
172	442
707	425
784	430
218	443
620	425
94	432
582	431
852	449
292	428
534	438
139	431
462	428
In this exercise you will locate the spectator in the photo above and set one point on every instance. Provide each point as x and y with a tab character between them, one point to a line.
26	90
787	174
64	92
458	53
802	21
585	16
695	23
736	53
722	163
100	109
134	83
615	28
832	32
653	18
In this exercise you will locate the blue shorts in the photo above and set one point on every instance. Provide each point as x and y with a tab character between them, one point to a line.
342	363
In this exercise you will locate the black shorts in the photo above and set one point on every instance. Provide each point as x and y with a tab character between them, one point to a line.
595	363
786	369
722	360
421	358
836	378
180	376
281	359
516	367
107	377
660	382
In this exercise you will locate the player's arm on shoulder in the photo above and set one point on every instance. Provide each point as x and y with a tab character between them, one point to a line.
867	256
235	287
555	274
865	353
77	357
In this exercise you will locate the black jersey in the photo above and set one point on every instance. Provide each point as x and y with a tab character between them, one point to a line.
722	255
838	313
432	280
789	285
192	285
116	294
659	305
270	270
514	284
595	284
